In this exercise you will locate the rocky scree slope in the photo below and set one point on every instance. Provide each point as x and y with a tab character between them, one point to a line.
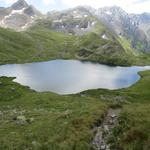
19	16
134	27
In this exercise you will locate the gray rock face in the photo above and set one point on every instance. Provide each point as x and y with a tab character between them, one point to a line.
80	20
20	4
74	21
134	27
19	16
105	130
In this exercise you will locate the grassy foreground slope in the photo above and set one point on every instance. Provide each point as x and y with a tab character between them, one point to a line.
133	130
41	43
32	120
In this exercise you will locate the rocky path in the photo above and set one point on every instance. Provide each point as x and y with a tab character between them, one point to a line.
104	131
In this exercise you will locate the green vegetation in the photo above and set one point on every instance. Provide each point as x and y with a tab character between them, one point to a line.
133	130
35	45
41	43
103	50
126	45
32	120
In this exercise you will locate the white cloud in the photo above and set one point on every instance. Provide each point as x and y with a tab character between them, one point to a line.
8	1
139	7
48	2
131	6
136	6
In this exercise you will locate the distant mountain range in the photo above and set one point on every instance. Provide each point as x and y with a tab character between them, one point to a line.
106	35
134	27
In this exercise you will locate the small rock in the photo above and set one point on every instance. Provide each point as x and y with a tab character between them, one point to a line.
106	129
111	122
13	89
20	120
14	111
30	120
22	112
103	147
34	143
113	116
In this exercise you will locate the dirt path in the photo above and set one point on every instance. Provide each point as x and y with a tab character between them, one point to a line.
104	131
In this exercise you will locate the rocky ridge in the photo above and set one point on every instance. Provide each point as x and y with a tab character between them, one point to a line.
19	16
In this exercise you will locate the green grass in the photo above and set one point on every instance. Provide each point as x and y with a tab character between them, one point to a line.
41	43
134	128
133	132
35	45
60	122
126	45
66	122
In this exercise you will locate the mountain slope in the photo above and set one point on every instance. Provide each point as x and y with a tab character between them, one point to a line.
19	16
71	34
74	21
135	28
41	43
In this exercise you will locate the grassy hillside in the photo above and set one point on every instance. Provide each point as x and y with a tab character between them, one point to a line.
132	132
36	45
32	120
41	43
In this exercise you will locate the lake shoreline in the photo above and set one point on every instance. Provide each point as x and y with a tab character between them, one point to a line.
71	76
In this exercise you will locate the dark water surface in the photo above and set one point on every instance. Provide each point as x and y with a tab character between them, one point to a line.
71	76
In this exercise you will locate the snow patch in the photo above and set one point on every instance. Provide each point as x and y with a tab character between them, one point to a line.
93	23
2	22
77	26
108	13
12	13
89	25
104	36
75	12
78	16
25	26
57	21
18	11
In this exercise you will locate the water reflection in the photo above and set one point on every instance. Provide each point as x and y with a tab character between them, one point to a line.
71	76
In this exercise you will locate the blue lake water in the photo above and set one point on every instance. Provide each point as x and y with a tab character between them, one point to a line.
71	76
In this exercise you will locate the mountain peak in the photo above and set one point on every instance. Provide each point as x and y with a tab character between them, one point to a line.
20	4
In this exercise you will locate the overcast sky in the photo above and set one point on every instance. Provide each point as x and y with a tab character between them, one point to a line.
131	6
